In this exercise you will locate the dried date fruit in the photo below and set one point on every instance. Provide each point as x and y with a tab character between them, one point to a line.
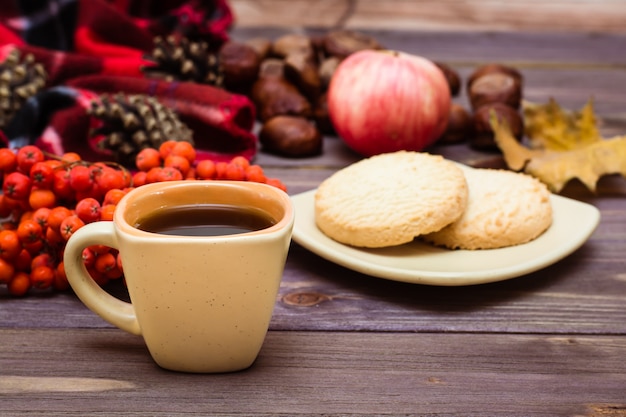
459	127
290	136
483	134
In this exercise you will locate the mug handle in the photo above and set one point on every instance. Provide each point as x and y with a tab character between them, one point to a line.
115	311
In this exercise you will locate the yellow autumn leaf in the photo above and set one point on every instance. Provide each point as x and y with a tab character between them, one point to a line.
549	126
587	162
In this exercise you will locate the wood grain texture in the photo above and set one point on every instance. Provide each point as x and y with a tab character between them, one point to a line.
550	343
320	373
436	15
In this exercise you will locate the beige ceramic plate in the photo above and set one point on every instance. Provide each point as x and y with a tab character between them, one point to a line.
421	263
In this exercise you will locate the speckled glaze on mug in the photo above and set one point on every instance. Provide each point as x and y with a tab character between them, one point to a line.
201	303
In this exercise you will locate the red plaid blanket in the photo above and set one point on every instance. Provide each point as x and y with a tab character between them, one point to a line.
90	47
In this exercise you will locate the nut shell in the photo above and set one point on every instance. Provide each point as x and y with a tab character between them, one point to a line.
483	136
290	136
341	43
495	68
453	78
240	65
460	127
496	87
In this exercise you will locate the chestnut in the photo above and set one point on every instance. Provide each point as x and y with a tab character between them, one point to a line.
240	65
302	71
483	136
453	78
290	136
273	94
496	87
495	68
341	43
459	127
292	43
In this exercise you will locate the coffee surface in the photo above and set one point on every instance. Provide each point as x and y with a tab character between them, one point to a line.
205	220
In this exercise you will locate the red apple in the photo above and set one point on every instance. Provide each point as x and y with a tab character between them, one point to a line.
385	101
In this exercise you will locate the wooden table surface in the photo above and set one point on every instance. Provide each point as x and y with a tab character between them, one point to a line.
550	343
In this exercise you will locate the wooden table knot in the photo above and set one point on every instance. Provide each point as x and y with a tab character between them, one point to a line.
305	299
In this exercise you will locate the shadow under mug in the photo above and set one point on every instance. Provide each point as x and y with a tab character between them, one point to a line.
201	303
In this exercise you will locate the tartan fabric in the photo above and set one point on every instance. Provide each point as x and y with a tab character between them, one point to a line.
90	47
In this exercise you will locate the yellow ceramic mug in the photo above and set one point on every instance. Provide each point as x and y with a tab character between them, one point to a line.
201	303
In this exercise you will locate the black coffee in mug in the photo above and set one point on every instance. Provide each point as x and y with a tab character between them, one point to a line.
205	220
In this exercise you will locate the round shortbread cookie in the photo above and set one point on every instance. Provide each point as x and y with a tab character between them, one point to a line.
389	199
505	208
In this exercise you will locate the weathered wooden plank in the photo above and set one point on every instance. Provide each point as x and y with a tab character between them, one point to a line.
106	372
449	15
551	50
582	294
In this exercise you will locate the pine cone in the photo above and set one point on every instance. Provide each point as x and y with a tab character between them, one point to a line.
184	61
134	122
20	79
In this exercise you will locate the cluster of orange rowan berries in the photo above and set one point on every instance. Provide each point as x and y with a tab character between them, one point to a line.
45	199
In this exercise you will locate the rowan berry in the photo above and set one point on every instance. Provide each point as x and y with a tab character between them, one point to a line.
7	270
184	149
276	183
42	198
70	157
23	260
44	258
60	278
70	225
42	174
147	159
107	211
88	210
5	206
19	284
81	178
17	186
240	161
139	178
255	173
220	170
27	156
42	277
53	237
61	185
179	162
41	216
109	179
105	262
153	175
205	169
235	173
56	217
166	148
89	257
169	174
10	245
29	231
8	160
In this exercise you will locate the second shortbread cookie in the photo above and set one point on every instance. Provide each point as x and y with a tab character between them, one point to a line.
389	199
505	208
